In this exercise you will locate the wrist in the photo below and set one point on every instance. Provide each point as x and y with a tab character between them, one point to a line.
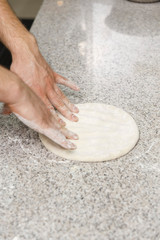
10	86
23	46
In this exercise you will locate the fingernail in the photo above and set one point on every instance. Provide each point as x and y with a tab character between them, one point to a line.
75	109
71	146
76	87
75	137
62	122
74	117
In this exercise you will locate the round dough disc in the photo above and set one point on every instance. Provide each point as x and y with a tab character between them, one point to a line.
105	133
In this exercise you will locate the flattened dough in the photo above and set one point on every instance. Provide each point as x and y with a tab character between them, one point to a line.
105	133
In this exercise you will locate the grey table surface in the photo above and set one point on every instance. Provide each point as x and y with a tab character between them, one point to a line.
111	49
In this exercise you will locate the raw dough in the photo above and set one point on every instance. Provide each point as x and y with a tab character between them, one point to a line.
105	132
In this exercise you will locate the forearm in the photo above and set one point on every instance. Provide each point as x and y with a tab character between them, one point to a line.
12	33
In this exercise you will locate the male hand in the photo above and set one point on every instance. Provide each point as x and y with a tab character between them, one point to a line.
31	67
30	109
39	86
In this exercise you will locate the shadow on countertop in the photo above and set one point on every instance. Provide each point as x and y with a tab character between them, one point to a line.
138	19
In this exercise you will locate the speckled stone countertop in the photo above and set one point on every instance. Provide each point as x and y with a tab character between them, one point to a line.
112	50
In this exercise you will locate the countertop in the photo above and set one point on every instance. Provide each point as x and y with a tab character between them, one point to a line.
111	49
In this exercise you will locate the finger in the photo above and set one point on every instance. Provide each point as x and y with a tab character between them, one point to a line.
68	83
62	123
70	105
60	106
59	138
67	145
52	110
6	110
53	132
69	134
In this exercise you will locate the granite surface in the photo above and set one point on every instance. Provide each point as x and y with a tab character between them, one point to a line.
112	50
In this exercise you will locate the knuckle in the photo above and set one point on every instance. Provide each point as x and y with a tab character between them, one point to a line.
60	104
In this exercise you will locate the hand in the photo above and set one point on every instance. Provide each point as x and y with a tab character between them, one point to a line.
32	68
29	108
